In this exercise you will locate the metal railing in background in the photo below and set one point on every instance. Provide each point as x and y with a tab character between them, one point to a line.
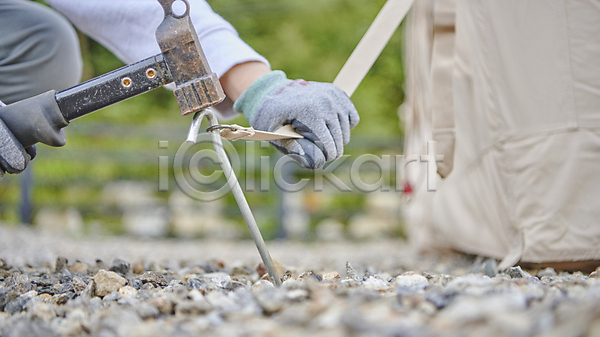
134	149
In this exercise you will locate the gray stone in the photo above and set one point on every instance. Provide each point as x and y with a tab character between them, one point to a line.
149	286
45	280
65	277
6	296
78	284
376	283
154	278
114	296
515	272
145	310
351	273
165	304
232	285
66	288
89	291
16	305
196	283
137	284
20	283
410	280
297	295
112	322
4	265
270	299
547	272
174	284
439	297
61	264
490	267
193	308
121	267
310	274
41	311
217	278
31	329
241	270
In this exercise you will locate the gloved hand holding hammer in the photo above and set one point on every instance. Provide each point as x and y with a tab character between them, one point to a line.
13	157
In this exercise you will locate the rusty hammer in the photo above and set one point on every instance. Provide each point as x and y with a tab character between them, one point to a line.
41	118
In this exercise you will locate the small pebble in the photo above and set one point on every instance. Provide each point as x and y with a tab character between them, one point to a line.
297	294
61	264
546	272
138	267
198	284
490	267
79	267
411	280
107	282
154	278
120	267
351	273
127	291
515	272
312	275
332	276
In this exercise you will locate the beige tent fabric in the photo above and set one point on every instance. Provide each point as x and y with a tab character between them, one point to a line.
525	181
442	65
415	114
428	112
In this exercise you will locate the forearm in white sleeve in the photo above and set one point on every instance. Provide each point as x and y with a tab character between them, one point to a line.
127	28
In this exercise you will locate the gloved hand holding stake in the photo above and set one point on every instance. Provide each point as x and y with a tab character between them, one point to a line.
321	112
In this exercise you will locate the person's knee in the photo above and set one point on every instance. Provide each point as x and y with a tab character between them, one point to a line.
39	51
59	52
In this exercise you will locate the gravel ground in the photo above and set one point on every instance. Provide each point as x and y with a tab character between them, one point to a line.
52	285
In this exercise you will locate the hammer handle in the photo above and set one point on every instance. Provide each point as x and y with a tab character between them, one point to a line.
113	87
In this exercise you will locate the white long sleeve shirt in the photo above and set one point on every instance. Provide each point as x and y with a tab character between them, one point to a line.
127	28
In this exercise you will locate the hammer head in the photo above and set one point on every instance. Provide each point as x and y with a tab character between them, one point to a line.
197	86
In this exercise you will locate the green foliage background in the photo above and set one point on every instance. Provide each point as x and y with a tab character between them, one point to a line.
309	39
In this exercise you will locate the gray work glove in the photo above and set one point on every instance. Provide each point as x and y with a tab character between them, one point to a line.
321	112
13	158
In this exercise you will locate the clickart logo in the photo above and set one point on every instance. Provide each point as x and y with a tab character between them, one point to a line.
196	170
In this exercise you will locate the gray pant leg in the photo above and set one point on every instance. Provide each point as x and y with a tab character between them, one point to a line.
39	51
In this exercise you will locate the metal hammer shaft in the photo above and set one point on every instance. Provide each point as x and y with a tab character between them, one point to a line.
113	87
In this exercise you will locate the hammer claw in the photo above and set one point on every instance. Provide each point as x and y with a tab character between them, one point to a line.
197	86
168	8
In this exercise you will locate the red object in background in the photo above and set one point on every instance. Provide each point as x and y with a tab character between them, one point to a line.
407	188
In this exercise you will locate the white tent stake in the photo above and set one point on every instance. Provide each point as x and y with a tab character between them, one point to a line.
236	189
